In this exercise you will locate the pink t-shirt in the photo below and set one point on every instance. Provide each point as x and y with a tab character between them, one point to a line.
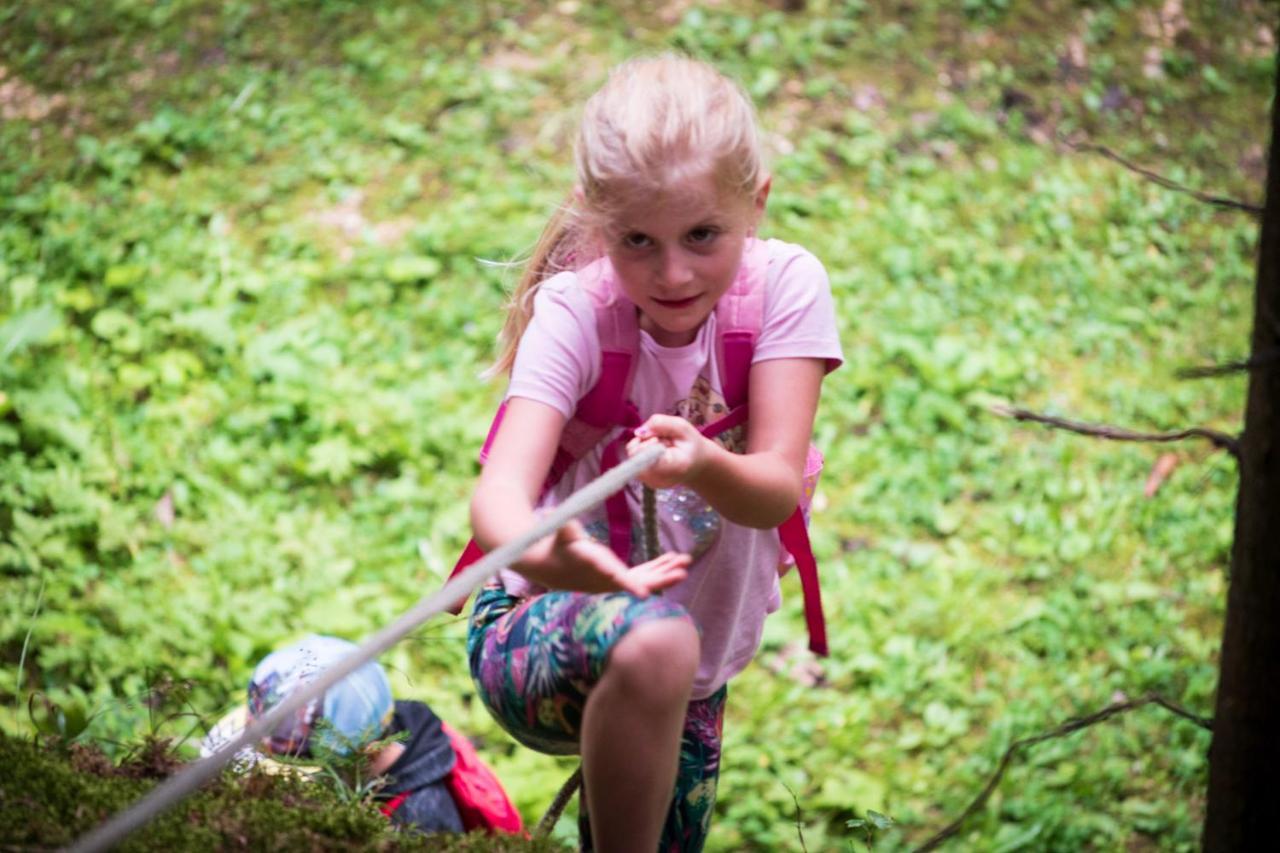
733	581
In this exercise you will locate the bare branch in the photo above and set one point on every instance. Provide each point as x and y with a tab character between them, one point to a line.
799	817
1205	723
1263	359
1208	198
1221	440
1063	730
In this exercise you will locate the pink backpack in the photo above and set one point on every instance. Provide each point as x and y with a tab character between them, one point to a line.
475	790
739	316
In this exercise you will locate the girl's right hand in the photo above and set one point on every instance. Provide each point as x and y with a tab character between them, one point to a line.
576	561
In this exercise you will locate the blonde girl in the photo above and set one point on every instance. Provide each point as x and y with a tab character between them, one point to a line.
573	650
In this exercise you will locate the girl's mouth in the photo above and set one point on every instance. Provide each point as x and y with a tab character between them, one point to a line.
677	303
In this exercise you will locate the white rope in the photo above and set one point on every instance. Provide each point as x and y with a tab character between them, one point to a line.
194	775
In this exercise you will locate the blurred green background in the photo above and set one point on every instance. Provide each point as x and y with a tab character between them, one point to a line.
244	304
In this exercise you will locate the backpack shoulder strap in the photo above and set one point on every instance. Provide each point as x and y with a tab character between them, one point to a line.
618	330
603	408
605	405
608	404
739	317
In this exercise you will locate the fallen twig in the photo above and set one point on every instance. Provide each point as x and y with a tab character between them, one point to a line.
1221	440
1066	728
1208	198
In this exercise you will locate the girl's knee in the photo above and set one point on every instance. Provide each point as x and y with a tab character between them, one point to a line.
657	659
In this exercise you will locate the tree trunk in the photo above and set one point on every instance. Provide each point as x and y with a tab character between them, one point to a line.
1244	759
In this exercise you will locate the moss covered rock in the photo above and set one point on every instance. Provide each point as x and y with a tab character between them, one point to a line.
52	794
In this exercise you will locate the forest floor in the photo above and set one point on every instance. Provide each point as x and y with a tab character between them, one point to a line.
243	309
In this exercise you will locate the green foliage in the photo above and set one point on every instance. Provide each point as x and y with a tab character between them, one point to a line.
242	316
873	823
52	799
55	794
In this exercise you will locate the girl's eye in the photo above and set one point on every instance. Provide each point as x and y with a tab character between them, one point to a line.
702	236
635	240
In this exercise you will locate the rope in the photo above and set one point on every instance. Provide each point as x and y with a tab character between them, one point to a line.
651	551
178	786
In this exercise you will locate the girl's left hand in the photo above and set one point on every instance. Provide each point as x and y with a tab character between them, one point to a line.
686	450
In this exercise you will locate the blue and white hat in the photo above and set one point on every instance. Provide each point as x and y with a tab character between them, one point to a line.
344	718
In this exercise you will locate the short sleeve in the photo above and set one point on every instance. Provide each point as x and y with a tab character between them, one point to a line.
799	313
554	362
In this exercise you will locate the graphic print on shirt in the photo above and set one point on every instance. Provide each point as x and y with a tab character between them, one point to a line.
705	405
686	522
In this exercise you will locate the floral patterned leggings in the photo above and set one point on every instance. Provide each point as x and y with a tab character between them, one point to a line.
534	661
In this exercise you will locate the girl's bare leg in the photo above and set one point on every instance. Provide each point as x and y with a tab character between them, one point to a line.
631	730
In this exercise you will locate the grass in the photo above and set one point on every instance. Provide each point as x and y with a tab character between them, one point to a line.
241	319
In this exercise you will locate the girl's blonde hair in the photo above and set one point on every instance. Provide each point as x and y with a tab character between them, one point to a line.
657	122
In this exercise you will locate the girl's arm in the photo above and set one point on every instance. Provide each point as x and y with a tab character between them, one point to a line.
760	488
502	506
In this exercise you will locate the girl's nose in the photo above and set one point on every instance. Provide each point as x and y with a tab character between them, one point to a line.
676	270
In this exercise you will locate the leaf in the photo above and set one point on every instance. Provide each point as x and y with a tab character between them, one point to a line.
1012	837
336	614
850	788
405	133
27	328
211	324
946	520
52	412
766	82
335	459
117	328
411	268
124	276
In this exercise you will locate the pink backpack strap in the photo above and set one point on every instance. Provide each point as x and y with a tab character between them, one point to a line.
472	552
601	410
739	316
607	405
794	534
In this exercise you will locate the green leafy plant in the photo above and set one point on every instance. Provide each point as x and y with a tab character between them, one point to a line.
869	826
242	320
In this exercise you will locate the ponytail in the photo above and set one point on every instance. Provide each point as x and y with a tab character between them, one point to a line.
557	250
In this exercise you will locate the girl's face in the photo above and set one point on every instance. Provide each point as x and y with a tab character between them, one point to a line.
678	252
